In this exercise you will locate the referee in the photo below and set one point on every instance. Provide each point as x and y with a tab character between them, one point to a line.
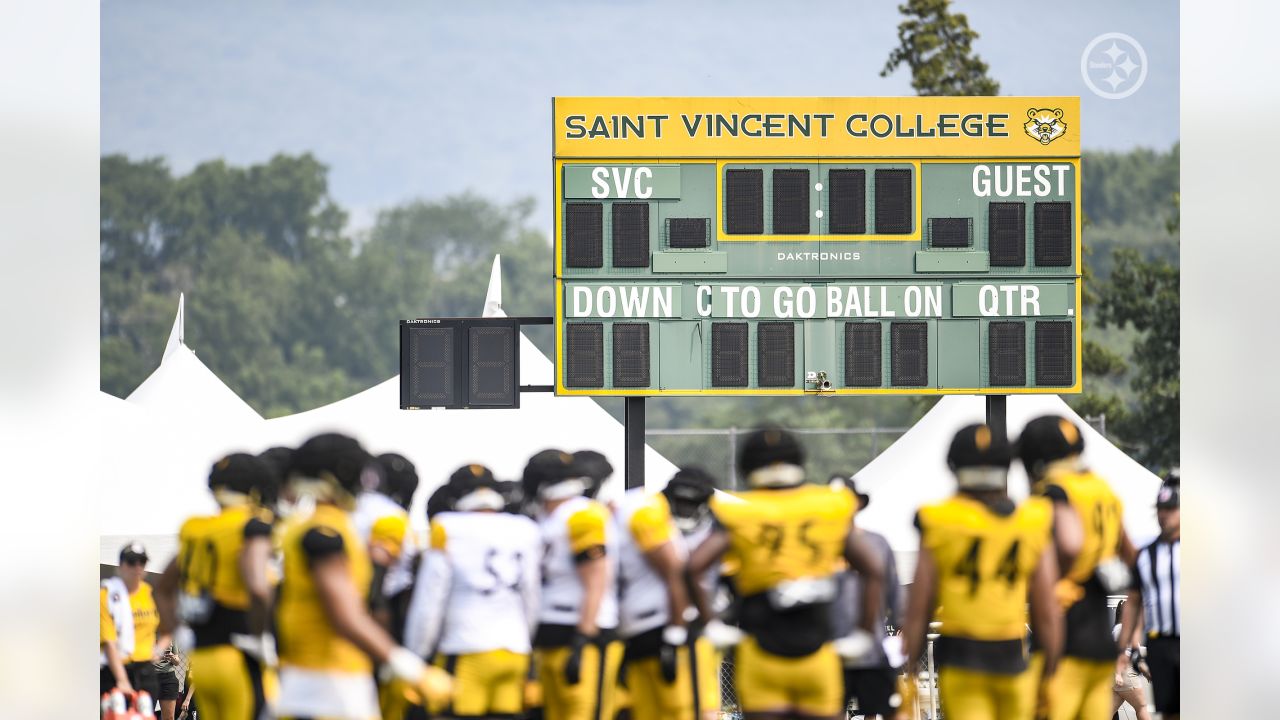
1157	582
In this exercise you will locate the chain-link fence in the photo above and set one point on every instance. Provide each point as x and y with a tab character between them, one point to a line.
828	450
729	709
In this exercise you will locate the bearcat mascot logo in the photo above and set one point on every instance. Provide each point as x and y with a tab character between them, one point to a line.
1045	125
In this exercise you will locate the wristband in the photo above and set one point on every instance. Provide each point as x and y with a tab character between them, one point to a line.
675	635
405	664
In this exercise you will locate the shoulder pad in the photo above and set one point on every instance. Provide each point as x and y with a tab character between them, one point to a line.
256	527
439	535
1054	492
321	541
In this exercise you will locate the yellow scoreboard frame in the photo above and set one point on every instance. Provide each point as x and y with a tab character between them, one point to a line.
907	131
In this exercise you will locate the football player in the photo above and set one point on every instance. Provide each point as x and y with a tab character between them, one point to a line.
789	537
689	494
218	587
1096	552
575	646
873	681
381	517
658	661
980	555
328	641
475	605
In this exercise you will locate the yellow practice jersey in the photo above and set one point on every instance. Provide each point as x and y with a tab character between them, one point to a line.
984	562
146	620
209	552
788	534
305	637
1080	592
1100	513
190	542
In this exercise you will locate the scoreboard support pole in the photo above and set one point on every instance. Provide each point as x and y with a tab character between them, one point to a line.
633	429
996	414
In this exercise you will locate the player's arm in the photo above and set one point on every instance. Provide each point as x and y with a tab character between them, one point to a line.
1068	528
254	561
339	596
531	583
166	595
666	562
1126	549
703	557
920	601
1046	614
651	528
587	543
862	558
346	612
116	663
593	572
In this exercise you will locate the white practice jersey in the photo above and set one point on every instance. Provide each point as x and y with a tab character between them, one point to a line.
577	526
644	523
477	589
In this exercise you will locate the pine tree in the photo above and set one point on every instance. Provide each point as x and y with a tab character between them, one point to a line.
937	45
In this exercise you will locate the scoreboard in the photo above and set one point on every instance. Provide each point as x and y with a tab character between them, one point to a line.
783	246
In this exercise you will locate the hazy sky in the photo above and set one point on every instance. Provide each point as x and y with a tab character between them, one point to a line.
425	99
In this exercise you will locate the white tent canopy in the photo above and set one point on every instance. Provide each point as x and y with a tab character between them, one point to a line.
158	446
152	476
183	389
913	471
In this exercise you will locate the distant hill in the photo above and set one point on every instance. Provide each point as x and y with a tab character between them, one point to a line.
407	100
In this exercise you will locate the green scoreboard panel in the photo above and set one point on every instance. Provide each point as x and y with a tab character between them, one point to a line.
774	246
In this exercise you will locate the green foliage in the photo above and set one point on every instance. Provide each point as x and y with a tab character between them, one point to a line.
1126	198
1131	187
1131	245
432	258
1144	294
1099	361
280	304
937	45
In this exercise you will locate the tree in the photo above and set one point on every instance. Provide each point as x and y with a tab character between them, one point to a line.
938	47
259	251
282	303
432	258
1101	363
1144	294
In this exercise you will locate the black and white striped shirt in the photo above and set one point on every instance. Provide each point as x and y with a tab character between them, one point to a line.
1160	573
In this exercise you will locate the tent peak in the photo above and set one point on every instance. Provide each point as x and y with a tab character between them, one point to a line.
177	336
493	298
